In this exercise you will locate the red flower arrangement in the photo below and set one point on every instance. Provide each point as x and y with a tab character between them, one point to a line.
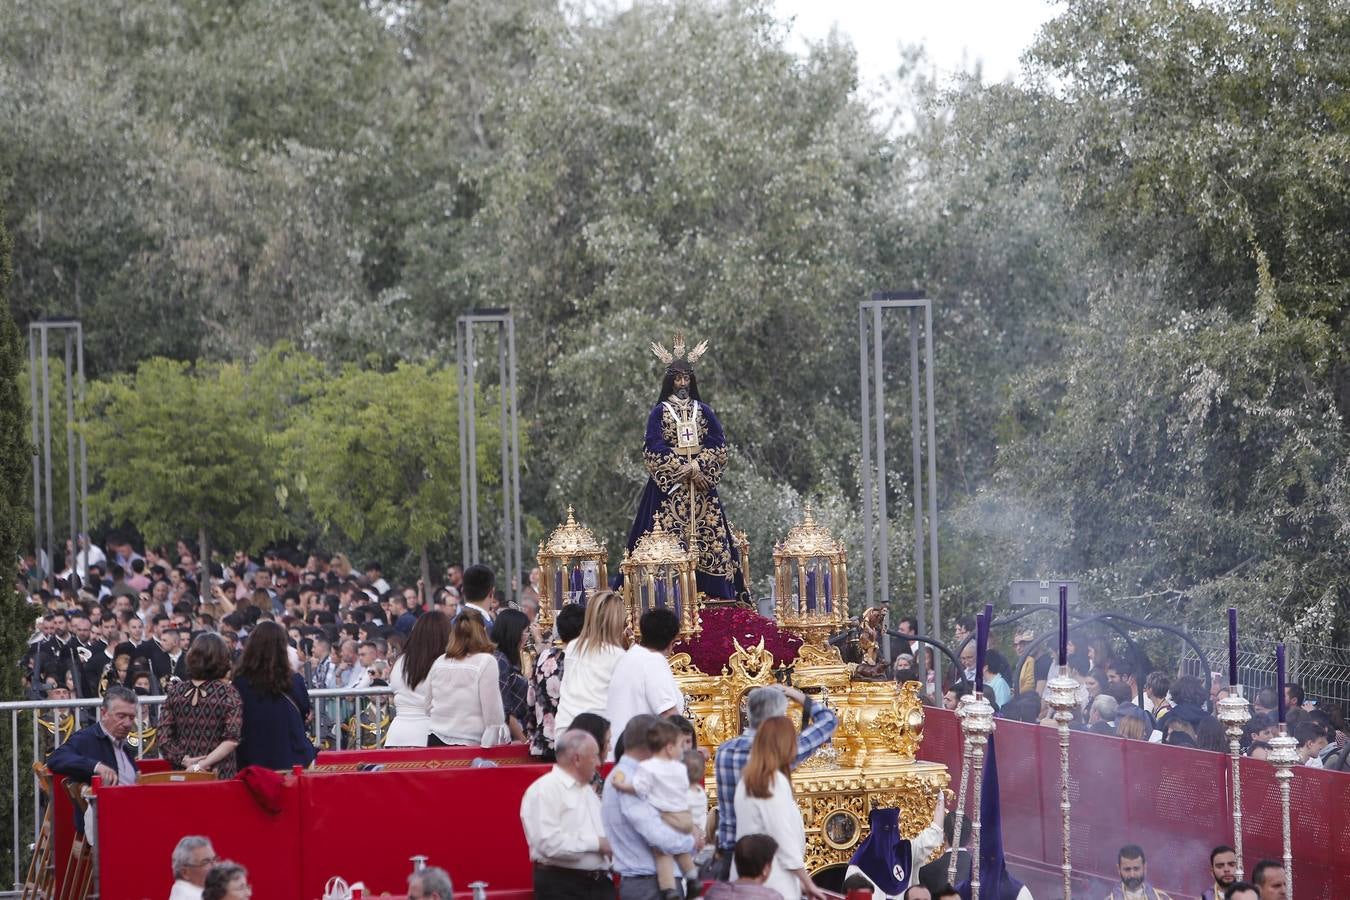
723	625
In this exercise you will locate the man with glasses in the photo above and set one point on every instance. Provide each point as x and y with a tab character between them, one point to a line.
430	883
192	859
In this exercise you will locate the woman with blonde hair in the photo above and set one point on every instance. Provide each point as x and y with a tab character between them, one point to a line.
464	702
591	660
764	805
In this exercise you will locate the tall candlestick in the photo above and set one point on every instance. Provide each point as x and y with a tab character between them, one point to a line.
1063	626
1279	679
1232	646
981	636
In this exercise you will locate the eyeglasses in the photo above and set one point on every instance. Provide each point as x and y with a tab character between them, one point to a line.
209	861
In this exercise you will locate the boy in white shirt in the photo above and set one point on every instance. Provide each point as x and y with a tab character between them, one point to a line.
663	780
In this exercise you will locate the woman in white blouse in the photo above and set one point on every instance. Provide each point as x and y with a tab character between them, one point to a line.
464	702
408	678
764	805
591	660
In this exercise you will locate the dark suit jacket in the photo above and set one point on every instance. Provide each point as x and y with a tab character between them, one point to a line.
77	757
161	667
934	875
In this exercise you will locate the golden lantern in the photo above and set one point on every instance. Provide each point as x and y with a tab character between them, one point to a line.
659	574
573	565
811	581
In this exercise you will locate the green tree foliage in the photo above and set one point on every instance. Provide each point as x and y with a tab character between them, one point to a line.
1137	254
180	450
375	455
16	618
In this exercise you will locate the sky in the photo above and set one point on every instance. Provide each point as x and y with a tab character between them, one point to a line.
955	33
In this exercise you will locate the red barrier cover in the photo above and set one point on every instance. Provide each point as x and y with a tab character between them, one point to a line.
367	825
423	757
1174	802
140	825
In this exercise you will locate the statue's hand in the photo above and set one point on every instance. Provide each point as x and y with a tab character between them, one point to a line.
701	481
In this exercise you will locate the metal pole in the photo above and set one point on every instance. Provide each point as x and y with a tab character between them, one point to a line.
472	367
508	554
84	449
14	780
47	447
37	472
866	400
69	377
917	448
1234	712
515	447
935	595
465	386
884	536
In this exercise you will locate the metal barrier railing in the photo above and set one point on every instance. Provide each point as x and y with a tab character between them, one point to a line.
340	719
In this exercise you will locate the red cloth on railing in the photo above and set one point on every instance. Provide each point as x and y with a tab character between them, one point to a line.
1173	801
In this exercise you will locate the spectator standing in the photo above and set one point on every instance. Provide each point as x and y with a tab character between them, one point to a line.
1269	878
598	728
1133	871
764	805
561	817
1242	890
508	634
996	673
203	717
464	700
275	703
192	860
545	683
478	593
427	643
1035	669
754	855
633	827
662	780
762	703
591	661
1222	870
227	881
642	681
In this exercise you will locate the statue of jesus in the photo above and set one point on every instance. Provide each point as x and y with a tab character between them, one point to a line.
685	453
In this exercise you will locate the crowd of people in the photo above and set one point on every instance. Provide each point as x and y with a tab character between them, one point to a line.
236	662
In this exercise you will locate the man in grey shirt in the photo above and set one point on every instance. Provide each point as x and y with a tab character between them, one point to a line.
633	825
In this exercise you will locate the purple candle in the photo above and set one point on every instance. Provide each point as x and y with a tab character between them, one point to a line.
981	636
1232	645
829	592
1279	679
1063	628
811	590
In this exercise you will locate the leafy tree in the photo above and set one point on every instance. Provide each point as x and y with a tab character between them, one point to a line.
16	617
376	454
180	450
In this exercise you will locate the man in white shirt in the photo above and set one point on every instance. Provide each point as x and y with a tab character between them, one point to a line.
642	683
192	859
561	816
478	585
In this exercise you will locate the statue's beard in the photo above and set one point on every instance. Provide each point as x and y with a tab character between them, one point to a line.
682	393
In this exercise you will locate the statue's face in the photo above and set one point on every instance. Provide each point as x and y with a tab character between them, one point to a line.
681	385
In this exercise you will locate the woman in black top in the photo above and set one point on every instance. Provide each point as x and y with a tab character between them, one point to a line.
275	703
508	633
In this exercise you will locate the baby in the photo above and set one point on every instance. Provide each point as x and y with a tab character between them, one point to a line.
664	781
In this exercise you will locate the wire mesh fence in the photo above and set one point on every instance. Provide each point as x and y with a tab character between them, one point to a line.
1323	672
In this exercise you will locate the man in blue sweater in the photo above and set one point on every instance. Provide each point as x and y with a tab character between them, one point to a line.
101	749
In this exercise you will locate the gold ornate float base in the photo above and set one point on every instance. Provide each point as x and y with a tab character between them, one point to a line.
870	763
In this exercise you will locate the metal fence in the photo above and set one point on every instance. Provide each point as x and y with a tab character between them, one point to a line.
342	719
1323	672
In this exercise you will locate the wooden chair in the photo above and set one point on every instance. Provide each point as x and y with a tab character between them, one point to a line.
173	777
79	880
40	882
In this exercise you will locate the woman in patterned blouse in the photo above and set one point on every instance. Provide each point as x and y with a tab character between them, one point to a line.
541	703
203	716
508	633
